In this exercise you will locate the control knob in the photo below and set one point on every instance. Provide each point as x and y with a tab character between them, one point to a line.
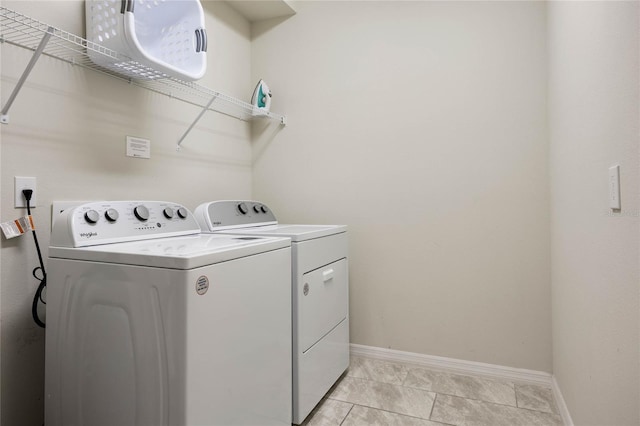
111	215
168	213
141	212
264	209
183	213
91	216
256	208
242	208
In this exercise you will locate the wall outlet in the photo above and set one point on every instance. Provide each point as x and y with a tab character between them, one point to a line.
21	183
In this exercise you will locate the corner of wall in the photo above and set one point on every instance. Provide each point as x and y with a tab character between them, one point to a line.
562	405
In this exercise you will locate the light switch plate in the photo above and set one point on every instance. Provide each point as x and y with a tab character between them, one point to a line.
614	187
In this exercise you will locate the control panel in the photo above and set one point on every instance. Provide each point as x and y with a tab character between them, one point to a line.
106	222
218	215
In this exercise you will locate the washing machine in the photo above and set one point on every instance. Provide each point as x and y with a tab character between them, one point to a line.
150	322
320	292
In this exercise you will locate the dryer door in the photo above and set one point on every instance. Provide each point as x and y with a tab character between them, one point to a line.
324	302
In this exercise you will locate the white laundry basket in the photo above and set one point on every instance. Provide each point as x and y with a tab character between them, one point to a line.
165	36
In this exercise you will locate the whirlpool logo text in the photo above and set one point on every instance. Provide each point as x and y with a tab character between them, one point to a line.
88	234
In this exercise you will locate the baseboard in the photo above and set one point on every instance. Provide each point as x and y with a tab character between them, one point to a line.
518	375
562	406
456	365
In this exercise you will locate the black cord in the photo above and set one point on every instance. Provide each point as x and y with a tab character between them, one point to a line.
43	280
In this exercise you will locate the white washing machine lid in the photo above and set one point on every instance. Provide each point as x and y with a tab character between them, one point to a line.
186	252
297	233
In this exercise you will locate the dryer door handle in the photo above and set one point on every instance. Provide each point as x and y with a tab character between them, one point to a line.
327	275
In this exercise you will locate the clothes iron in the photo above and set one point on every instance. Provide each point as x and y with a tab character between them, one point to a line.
261	96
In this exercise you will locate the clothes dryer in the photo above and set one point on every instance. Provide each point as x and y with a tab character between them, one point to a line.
320	292
150	322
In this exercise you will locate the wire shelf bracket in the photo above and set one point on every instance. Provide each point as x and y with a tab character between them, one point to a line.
22	31
184	135
4	115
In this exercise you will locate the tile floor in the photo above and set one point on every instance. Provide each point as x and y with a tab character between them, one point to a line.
375	392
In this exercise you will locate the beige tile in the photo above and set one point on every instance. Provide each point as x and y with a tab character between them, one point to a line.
462	385
398	399
364	416
467	412
537	398
378	370
329	412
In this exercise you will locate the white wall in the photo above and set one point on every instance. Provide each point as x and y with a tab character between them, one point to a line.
67	129
594	123
1	97
422	126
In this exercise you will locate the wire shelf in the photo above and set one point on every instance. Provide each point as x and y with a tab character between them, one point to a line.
22	31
